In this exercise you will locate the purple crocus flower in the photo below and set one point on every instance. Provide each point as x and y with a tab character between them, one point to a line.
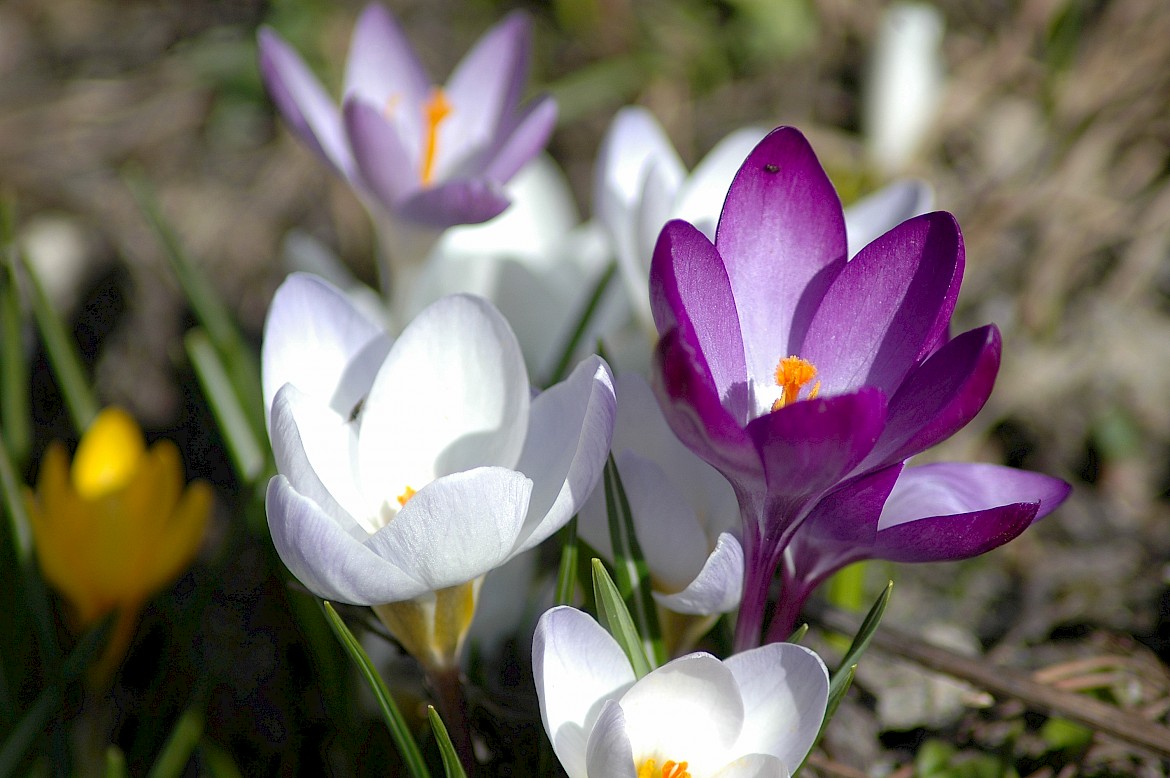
797	373
433	156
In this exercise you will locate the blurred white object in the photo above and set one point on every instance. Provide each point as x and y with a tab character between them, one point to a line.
905	84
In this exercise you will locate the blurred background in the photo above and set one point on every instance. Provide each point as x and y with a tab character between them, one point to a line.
1044	125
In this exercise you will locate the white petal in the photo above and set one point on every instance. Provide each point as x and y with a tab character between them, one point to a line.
717	588
577	666
879	212
313	447
327	560
568	440
452	394
785	688
700	200
754	766
635	139
317	340
688	710
609	752
458	527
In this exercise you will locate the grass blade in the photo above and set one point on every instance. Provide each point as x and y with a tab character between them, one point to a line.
591	306
612	612
176	752
567	572
451	764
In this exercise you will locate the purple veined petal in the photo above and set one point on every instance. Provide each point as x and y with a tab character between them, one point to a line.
879	212
609	751
785	689
458	527
569	434
524	140
485	88
690	403
577	666
952	537
384	166
700	200
939	397
883	309
310	112
811	445
717	588
325	558
782	239
452	394
315	339
467	201
382	68
690	290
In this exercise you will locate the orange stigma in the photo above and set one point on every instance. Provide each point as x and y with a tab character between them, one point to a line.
436	109
404	498
792	374
670	769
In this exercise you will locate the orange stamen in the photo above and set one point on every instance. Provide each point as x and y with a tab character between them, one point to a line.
792	374
404	498
436	109
670	769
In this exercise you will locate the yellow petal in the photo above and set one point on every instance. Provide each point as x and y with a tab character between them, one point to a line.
108	455
182	535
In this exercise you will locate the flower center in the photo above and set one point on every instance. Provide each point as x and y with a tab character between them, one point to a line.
404	498
436	109
792	374
670	769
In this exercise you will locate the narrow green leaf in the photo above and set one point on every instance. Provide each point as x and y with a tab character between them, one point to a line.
219	762
630	570
567	572
798	634
176	752
451	765
115	763
590	310
614	616
241	366
398	728
830	709
14	385
246	451
861	641
62	352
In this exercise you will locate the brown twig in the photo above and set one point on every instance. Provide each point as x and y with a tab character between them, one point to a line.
1007	682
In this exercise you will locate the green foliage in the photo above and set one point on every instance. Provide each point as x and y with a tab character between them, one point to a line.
613	615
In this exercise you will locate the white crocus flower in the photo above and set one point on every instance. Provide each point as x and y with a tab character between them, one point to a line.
752	715
407	470
685	513
640	184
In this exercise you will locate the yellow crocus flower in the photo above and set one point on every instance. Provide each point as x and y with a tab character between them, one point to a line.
116	526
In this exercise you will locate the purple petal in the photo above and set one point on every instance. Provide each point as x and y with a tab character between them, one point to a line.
465	201
876	214
524	141
886	306
325	558
689	289
782	238
311	114
382	67
485	88
940	396
809	446
384	167
848	516
955	510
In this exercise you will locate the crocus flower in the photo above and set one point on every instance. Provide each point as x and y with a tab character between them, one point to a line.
115	527
792	370
938	512
433	155
408	469
684	513
640	183
753	714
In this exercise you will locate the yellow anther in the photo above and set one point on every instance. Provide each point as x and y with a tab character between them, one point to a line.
792	374
670	769
404	498
436	109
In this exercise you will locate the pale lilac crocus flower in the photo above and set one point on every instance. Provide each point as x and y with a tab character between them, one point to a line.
409	468
794	371
751	715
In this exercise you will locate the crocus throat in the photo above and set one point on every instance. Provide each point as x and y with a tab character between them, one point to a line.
792	374
670	769
436	109
404	498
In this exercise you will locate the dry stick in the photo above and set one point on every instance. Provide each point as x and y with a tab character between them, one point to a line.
1007	682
